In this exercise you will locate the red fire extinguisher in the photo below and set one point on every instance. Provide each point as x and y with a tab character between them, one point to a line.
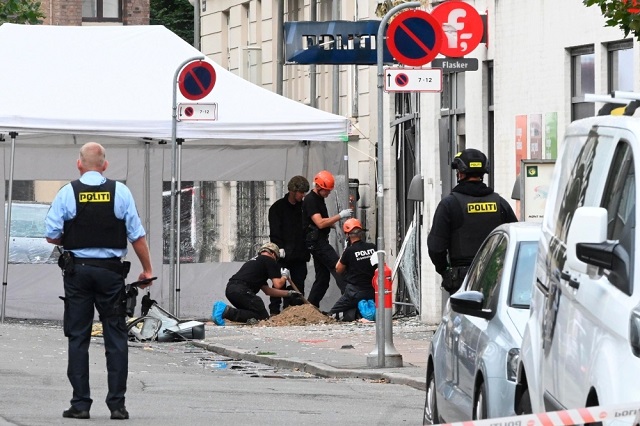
388	286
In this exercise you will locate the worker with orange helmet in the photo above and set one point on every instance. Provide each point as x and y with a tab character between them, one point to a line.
317	224
357	270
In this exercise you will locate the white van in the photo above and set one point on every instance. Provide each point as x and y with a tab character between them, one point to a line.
581	345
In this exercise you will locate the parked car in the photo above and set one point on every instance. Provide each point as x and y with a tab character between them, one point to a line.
27	242
581	345
471	369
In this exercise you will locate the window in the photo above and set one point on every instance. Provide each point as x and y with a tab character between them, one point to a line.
582	81
102	10
220	221
523	269
620	202
489	265
620	66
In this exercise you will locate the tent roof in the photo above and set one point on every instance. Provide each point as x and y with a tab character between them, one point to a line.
117	81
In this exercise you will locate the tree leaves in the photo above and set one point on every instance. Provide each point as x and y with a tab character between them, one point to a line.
21	12
624	14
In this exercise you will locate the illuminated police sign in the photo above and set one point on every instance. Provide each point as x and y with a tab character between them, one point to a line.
333	42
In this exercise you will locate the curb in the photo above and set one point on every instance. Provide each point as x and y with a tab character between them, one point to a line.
315	368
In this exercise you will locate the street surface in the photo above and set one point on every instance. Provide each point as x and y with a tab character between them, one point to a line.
179	384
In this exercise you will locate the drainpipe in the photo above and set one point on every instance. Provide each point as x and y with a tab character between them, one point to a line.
279	43
313	75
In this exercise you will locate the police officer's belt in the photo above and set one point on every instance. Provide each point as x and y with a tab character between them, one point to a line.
113	264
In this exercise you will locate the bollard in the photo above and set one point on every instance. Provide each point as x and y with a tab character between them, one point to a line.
388	287
392	358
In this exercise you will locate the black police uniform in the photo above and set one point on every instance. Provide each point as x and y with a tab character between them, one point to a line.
462	221
286	231
244	286
98	281
357	276
324	255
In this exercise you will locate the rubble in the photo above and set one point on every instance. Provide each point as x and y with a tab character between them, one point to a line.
298	315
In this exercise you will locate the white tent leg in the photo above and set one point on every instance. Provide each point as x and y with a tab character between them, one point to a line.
7	226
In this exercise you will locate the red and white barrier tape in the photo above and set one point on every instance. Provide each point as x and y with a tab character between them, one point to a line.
564	417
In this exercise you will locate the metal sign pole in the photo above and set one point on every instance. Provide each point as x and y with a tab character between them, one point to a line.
174	192
380	310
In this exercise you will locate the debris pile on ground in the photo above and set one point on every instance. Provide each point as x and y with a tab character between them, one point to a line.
298	315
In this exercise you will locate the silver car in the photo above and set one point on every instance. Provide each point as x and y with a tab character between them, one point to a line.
27	243
472	364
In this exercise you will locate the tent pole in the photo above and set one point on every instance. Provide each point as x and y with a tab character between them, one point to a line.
147	190
174	193
7	226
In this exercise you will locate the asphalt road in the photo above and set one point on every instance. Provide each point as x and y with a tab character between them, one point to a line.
179	384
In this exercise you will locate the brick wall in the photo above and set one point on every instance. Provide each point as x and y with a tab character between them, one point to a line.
69	12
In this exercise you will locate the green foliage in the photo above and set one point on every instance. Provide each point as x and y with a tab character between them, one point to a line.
176	15
20	12
624	14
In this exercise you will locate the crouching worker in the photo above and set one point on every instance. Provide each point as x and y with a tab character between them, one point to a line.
357	271
244	285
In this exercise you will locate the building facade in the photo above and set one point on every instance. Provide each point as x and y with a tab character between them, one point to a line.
535	67
96	12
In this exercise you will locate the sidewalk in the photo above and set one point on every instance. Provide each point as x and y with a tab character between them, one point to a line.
336	350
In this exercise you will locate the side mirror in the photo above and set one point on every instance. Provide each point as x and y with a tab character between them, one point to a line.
589	225
469	303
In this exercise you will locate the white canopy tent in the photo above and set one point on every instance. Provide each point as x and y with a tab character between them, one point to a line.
63	86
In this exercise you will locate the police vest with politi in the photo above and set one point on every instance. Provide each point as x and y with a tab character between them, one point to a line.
464	218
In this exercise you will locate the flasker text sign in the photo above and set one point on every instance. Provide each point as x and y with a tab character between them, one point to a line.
332	42
450	65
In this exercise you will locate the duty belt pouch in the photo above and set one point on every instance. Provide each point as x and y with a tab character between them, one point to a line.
126	267
65	262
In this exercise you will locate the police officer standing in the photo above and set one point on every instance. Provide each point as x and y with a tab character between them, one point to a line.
464	218
93	218
285	230
357	270
318	224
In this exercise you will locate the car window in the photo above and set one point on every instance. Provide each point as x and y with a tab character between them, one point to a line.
590	166
489	272
620	202
27	220
522	279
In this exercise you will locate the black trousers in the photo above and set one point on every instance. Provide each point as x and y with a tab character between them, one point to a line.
351	297
298	270
246	304
324	263
97	287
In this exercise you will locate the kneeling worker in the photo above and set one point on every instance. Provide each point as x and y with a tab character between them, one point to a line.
244	285
355	266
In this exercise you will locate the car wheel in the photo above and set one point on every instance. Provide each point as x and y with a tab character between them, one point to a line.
480	406
524	405
430	416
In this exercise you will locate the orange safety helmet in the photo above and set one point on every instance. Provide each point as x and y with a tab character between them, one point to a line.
350	225
324	180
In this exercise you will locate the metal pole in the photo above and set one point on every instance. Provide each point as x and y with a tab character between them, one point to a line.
380	310
178	226
7	225
279	43
147	190
172	229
